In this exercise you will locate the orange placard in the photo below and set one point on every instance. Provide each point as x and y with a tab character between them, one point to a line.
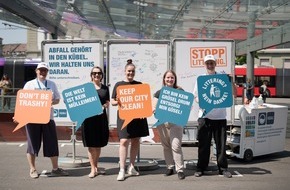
134	102
32	106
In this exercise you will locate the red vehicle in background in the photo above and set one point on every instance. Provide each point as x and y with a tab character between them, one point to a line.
261	74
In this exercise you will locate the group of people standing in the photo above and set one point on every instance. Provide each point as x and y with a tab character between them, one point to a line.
263	91
95	130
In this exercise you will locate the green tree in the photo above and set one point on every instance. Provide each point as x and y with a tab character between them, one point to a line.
242	59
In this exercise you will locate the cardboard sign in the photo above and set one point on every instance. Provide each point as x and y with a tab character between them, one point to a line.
173	106
32	106
214	91
82	102
134	102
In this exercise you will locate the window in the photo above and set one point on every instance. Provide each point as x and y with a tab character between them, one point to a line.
287	63
265	62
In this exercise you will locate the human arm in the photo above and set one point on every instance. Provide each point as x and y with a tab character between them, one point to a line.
106	105
155	101
195	93
1	84
115	101
55	101
154	104
107	98
55	94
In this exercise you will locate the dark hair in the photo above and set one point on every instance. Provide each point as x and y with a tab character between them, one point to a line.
97	67
129	61
129	64
5	76
174	74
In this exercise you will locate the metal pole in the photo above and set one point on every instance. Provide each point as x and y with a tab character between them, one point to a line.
283	78
73	138
13	74
138	155
250	55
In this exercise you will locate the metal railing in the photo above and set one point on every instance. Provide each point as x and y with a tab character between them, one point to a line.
8	102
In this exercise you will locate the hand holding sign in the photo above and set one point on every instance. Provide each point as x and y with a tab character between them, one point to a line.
135	102
82	102
214	91
173	106
32	106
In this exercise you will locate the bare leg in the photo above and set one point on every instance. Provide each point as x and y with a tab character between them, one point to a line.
92	159
98	153
123	151
94	154
31	161
54	162
135	144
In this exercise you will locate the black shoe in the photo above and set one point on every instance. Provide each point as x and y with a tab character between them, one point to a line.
169	172
181	175
198	173
227	174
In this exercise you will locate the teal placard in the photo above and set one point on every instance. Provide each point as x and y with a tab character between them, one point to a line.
173	106
214	91
82	102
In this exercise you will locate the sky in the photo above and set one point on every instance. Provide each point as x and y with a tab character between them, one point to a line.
12	35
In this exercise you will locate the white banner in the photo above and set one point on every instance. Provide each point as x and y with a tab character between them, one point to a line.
70	63
188	63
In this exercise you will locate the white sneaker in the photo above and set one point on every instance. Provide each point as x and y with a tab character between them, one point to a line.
132	171
121	176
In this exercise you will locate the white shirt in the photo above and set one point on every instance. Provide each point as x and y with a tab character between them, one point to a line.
45	85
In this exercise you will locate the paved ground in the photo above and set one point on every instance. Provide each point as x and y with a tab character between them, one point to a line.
266	172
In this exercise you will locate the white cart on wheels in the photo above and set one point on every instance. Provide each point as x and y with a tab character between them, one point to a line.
258	131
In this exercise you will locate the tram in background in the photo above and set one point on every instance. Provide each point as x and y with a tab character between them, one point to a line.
23	70
276	79
19	70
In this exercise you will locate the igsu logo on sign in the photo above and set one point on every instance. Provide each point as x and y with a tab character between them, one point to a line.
270	117
266	118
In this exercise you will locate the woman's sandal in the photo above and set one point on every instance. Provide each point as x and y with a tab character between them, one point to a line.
92	175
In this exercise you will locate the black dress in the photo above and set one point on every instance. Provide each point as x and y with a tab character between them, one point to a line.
137	127
95	129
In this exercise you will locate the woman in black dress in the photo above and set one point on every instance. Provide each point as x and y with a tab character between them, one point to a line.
132	132
95	130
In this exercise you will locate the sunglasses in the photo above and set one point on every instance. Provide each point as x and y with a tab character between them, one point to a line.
43	70
94	73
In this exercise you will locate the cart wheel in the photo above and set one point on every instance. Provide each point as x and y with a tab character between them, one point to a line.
248	155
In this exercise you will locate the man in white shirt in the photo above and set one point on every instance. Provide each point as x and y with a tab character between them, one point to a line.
47	132
212	124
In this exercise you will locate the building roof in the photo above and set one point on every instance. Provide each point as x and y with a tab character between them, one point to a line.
14	48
